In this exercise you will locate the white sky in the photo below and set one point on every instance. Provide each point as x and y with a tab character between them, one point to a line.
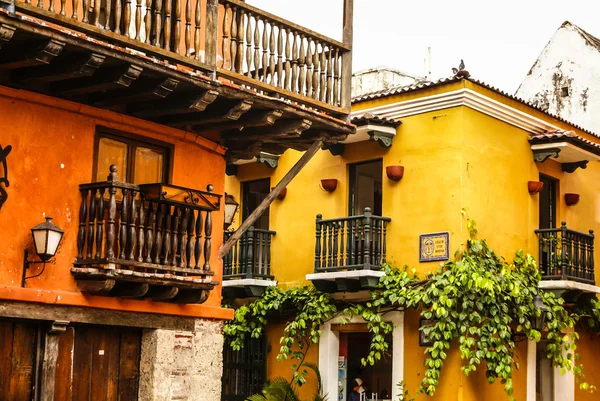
498	40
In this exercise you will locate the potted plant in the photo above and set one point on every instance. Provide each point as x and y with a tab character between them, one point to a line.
535	187
394	173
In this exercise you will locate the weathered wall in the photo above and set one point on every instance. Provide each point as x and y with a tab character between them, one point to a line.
182	365
376	79
569	61
53	145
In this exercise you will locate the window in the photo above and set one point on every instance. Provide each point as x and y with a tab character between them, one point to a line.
253	193
365	187
244	371
138	160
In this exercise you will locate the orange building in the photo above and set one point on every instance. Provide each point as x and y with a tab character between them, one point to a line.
117	120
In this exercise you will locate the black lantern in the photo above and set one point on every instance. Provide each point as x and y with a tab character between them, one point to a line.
538	321
231	207
46	237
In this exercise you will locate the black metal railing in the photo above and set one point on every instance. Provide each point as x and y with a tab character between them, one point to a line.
250	257
351	243
566	254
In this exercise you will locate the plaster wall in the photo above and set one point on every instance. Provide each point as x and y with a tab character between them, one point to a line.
379	78
568	61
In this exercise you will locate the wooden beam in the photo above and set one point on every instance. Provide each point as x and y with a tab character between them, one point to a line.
190	297
256	119
184	104
129	290
347	37
6	33
101	82
283	129
226	113
49	360
42	55
77	67
158	90
162	293
289	176
96	287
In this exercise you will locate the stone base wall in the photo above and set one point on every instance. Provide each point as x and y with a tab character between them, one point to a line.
182	365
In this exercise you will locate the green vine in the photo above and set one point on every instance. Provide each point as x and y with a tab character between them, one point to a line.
478	300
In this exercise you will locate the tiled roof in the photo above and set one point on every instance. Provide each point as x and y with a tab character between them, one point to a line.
372	119
565	136
445	81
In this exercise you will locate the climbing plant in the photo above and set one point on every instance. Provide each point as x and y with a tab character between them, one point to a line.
478	300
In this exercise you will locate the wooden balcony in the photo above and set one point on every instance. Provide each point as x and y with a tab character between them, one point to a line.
247	266
226	40
566	254
151	241
349	252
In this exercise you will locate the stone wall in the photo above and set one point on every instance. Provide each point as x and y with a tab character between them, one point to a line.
182	365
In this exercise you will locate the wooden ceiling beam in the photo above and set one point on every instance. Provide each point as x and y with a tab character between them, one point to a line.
282	129
77	67
6	33
226	112
109	79
158	89
256	119
44	54
185	104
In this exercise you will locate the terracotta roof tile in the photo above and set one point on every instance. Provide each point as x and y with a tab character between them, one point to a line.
565	136
372	119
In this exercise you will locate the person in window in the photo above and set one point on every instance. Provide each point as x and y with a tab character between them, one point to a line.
358	391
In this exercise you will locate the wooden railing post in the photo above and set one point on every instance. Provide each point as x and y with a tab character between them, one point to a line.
318	243
212	32
590	258
563	262
112	212
82	218
347	56
367	232
250	252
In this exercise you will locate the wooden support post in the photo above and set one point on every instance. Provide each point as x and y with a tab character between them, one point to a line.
212	31
347	55
49	361
249	221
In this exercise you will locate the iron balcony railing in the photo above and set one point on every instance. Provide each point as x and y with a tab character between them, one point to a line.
351	243
566	254
250	257
233	39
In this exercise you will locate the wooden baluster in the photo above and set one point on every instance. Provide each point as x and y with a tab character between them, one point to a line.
331	233
40	4
268	264
82	221
127	18
141	230
51	6
99	224
227	258
250	252
118	9
257	47
207	240
91	224
166	248
197	26
86	10
158	234
167	25
367	246
123	224
148	22
323	83
384	244
188	27
302	66
265	52
316	70
107	12
329	97
309	67
96	14
354	242
295	58
249	52
112	212
280	79
243	250
198	247
189	249
272	56
132	237
226	43
138	20
262	251
590	257
177	28
234	38
182	230
336	232
239	60
318	243
149	233
157	23
336	78
288	64
342	243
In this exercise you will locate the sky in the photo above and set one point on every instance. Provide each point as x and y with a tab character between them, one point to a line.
498	40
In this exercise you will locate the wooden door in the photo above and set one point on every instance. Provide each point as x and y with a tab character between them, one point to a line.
18	349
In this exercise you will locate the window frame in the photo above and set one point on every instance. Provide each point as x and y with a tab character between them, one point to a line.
133	141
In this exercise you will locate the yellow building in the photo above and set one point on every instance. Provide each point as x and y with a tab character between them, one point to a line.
421	155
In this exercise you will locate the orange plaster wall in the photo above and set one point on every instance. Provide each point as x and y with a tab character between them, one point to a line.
52	154
588	347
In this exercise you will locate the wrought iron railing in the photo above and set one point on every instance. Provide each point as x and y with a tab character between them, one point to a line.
351	243
250	257
257	49
566	254
145	228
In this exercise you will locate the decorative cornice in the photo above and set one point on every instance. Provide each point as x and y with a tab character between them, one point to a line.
462	97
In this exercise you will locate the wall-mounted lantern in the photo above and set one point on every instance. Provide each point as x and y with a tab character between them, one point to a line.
231	207
538	321
46	238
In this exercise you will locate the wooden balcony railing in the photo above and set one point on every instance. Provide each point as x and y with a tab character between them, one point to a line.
566	254
255	49
351	243
154	234
250	257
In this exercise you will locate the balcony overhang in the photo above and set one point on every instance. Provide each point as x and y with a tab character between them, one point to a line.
246	288
571	291
345	281
565	147
90	65
370	127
